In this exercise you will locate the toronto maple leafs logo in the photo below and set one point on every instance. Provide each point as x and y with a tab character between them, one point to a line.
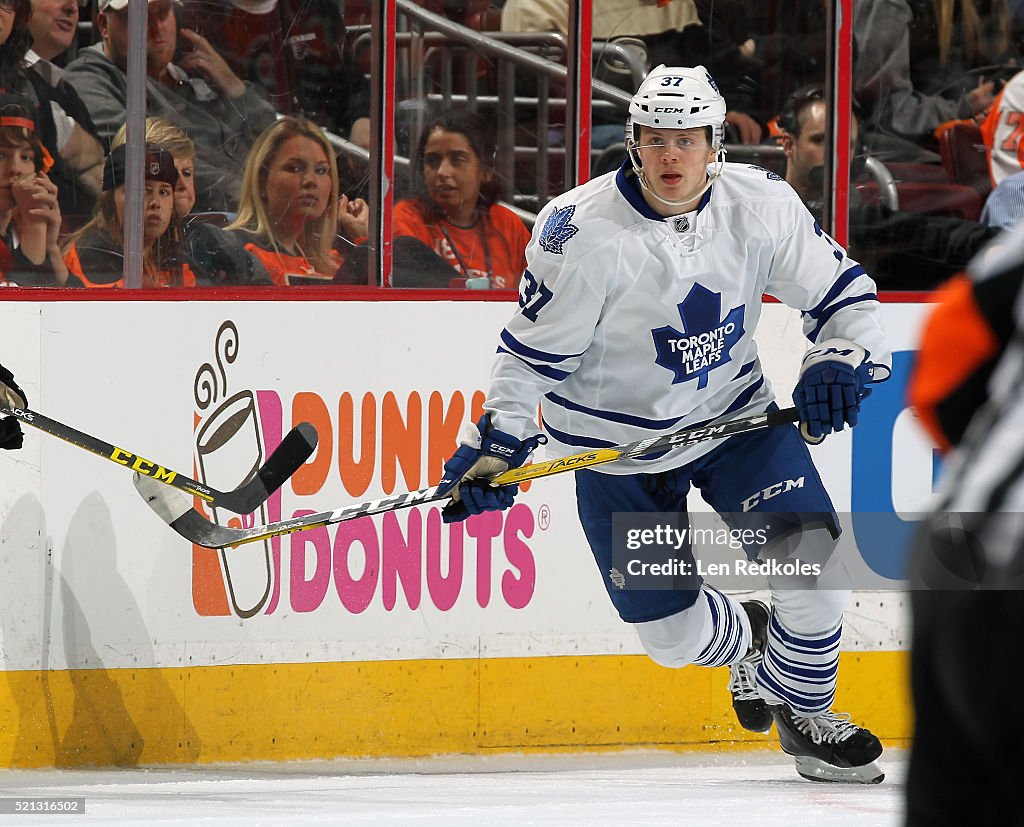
705	341
558	230
771	176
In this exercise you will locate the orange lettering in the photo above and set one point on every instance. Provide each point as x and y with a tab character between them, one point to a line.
1016	120
443	429
477	407
401	442
356	475
310	478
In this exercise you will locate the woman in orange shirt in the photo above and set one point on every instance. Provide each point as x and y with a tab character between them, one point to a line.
289	210
95	254
455	210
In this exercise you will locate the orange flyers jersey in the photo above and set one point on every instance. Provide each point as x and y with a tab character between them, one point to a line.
501	238
109	273
1003	131
285	269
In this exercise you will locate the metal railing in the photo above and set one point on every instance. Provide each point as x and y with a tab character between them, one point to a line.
440	64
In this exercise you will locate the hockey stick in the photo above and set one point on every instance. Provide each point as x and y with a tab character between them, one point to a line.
295	449
177	512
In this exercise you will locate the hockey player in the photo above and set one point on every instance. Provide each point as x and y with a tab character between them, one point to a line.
11	396
637	312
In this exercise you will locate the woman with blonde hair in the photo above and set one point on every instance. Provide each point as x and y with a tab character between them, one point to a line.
289	210
215	256
163	133
95	254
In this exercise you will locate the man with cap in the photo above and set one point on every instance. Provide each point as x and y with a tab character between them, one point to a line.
95	257
198	92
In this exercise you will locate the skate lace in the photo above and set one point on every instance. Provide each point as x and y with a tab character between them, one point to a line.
829	727
743	679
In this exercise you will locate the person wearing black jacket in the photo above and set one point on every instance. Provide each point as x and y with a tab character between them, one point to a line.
62	121
902	250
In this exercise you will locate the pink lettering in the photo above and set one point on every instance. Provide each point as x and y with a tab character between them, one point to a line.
518	591
443	589
485	527
356	593
307	594
401	559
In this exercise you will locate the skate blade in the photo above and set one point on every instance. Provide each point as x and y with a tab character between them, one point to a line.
814	770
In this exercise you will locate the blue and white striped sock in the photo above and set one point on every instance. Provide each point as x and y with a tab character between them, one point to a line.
730	630
800	670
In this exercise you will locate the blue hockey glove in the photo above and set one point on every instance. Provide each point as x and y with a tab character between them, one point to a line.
485	452
833	382
11	396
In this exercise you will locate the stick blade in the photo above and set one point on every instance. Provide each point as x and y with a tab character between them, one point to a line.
297	446
174	508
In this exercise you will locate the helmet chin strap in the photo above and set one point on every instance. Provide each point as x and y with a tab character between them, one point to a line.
714	176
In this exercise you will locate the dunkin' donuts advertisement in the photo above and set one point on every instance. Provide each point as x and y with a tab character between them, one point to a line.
211	389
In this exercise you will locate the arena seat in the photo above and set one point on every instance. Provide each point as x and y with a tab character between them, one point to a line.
963	155
957	200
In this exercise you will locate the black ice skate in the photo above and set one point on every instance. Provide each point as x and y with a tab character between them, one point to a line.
751	710
828	747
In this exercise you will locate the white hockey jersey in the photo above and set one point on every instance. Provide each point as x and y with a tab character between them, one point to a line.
632	325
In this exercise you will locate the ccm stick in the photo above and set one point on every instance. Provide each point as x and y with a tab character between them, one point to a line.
176	511
297	446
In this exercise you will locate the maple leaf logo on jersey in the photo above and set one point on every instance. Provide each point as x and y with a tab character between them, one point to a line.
771	176
558	230
706	340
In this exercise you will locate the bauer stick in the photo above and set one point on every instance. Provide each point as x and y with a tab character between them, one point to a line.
177	512
295	449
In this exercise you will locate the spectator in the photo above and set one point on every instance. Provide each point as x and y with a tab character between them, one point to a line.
29	208
905	250
62	122
455	210
1004	206
888	86
95	254
54	27
790	49
611	17
294	50
1002	130
198	93
663	32
290	209
213	255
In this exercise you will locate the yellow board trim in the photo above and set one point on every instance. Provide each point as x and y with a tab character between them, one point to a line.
282	712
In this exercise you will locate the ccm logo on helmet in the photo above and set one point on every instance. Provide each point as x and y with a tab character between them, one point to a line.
671	110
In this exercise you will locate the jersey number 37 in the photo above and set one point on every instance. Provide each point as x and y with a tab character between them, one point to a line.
533	296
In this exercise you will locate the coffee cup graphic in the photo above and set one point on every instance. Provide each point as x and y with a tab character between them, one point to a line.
229	451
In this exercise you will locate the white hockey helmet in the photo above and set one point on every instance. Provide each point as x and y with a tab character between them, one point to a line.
678	98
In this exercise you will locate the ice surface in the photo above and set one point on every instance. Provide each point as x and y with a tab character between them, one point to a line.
739	789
